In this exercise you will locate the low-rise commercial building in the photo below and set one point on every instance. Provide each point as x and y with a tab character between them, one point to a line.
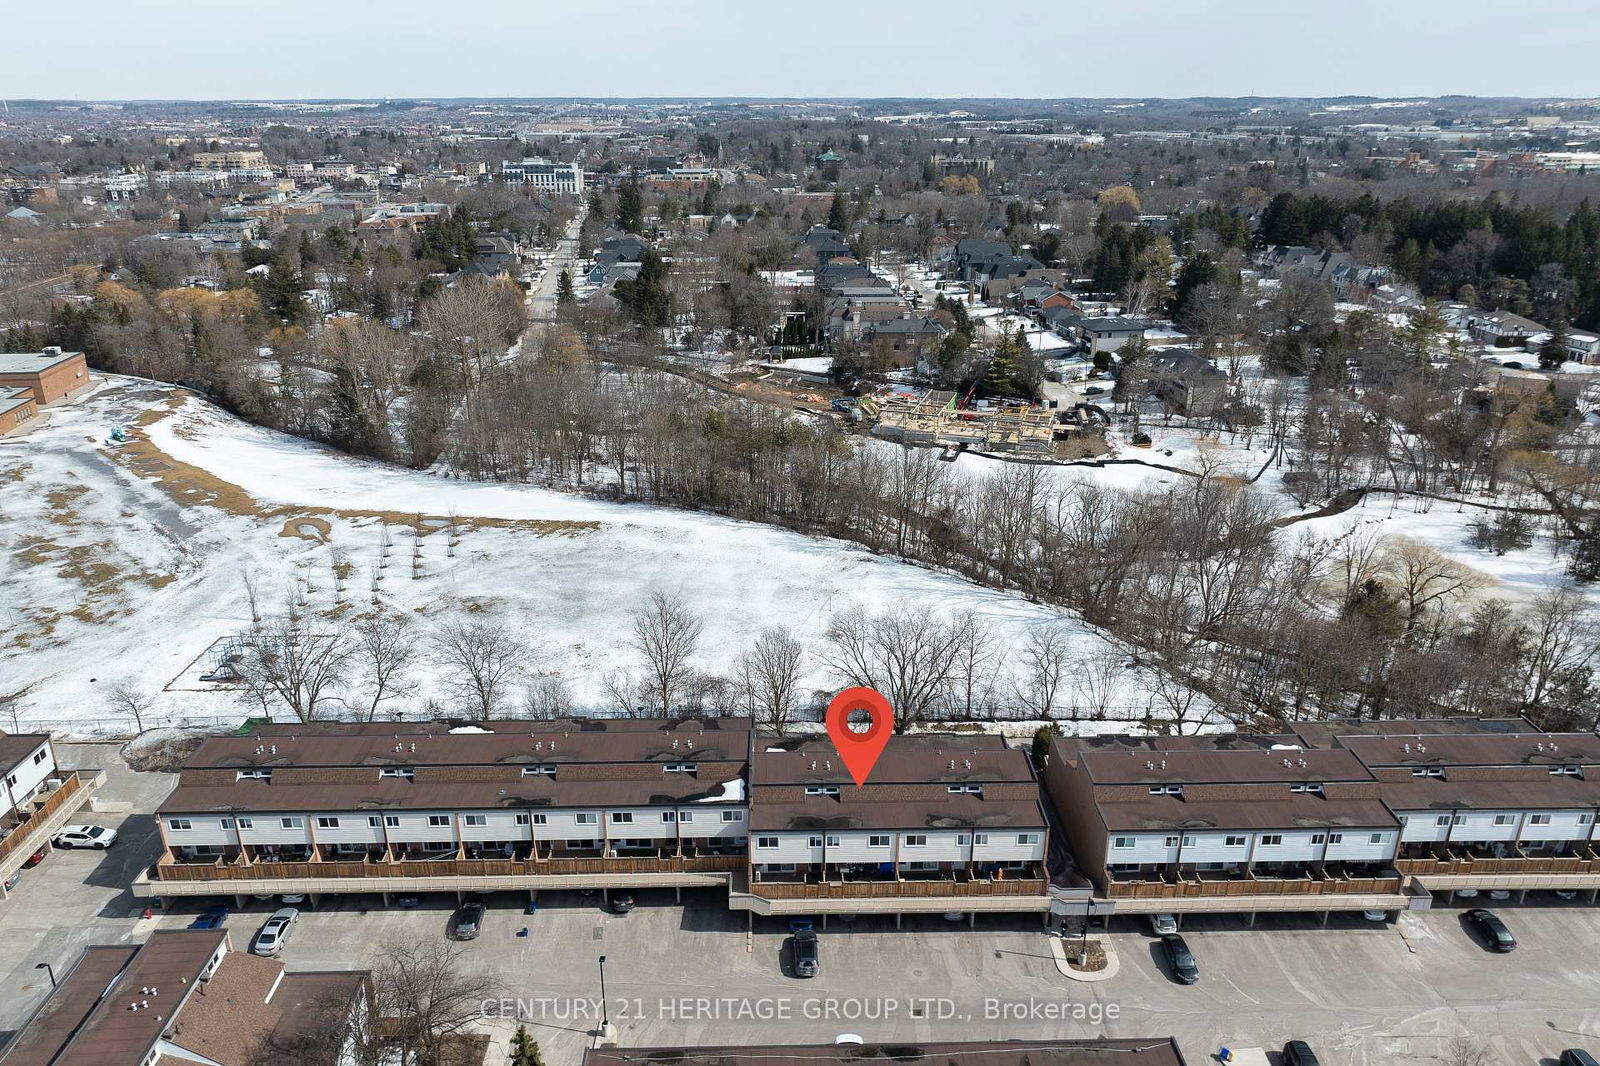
544	175
48	376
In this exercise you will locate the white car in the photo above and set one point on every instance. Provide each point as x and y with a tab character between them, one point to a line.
269	941
1162	924
85	836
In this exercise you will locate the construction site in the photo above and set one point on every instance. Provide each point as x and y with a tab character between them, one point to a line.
936	419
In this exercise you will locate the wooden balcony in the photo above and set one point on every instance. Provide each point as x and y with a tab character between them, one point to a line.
1451	865
1254	886
37	812
224	870
950	889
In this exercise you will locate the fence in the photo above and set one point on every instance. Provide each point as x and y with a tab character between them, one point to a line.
1253	887
896	889
274	871
19	837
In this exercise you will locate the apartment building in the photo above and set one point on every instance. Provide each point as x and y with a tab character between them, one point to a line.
186	996
386	807
1226	822
946	822
245	159
544	175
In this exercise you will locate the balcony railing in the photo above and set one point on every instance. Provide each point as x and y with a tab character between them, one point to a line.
1458	865
897	889
1254	886
37	812
223	870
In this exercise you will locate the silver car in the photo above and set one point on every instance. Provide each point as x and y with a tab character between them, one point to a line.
269	940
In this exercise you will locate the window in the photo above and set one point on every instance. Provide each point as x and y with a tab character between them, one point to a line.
979	839
179	824
587	818
1311	786
326	822
1375	838
475	819
962	839
1166	790
1459	819
833	841
392	821
621	817
1170	842
813	842
876	841
1503	819
969	790
916	840
1188	841
1233	842
1427	771
538	771
438	820
396	771
733	816
374	821
682	767
669	816
1567	771
766	842
685	816
1538	819
294	822
1338	838
246	823
1271	840
581	843
1123	842
822	790
1443	819
254	775
522	819
1027	838
1319	838
1585	819
38	756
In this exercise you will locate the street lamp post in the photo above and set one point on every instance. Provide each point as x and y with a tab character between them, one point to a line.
45	966
605	1010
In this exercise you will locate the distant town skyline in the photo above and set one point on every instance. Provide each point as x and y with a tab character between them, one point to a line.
228	49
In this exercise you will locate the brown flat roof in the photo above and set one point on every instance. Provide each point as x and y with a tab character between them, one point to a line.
1240	766
1477	749
1560	792
922	758
87	1020
491	743
14	747
1293	811
1327	734
1156	1051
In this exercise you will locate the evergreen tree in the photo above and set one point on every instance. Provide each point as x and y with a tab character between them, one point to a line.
646	297
1041	744
1002	369
1553	352
524	1049
563	288
630	208
839	213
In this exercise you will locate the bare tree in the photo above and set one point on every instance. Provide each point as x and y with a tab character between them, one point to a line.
768	677
481	660
1043	668
902	652
288	659
1097	681
666	635
125	699
385	648
427	994
547	696
972	680
1426	579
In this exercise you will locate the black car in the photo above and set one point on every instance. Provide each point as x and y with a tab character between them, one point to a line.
1180	958
1488	923
621	902
467	922
1299	1053
1576	1056
806	961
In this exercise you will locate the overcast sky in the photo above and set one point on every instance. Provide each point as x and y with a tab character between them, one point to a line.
232	49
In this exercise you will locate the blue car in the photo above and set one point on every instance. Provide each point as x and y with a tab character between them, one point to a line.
210	918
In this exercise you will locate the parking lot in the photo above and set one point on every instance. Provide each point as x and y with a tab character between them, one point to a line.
691	973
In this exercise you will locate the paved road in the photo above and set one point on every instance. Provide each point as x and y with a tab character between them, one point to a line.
542	299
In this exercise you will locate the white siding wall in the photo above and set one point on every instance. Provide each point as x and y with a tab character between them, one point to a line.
205	830
1420	827
28	775
1299	845
1564	825
854	846
1356	845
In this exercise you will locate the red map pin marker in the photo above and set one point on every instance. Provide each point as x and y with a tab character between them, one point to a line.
859	750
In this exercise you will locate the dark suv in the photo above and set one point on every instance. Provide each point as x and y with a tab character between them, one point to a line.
468	921
1299	1053
806	960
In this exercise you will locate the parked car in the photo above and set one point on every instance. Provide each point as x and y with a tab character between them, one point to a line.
1299	1053
36	858
1162	924
210	918
1576	1056
1492	929
274	932
1180	958
1375	915
621	902
85	836
13	880
467	922
407	903
806	961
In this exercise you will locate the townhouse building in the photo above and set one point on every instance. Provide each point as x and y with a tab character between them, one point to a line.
1227	822
386	807
37	796
945	822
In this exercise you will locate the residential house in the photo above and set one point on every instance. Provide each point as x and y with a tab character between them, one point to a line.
1501	329
37	795
908	340
1109	334
1186	382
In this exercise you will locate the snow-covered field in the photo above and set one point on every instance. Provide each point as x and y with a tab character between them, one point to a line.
131	563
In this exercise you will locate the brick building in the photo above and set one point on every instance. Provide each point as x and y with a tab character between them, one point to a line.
30	380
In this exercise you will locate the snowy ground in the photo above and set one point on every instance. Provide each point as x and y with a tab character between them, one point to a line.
130	564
